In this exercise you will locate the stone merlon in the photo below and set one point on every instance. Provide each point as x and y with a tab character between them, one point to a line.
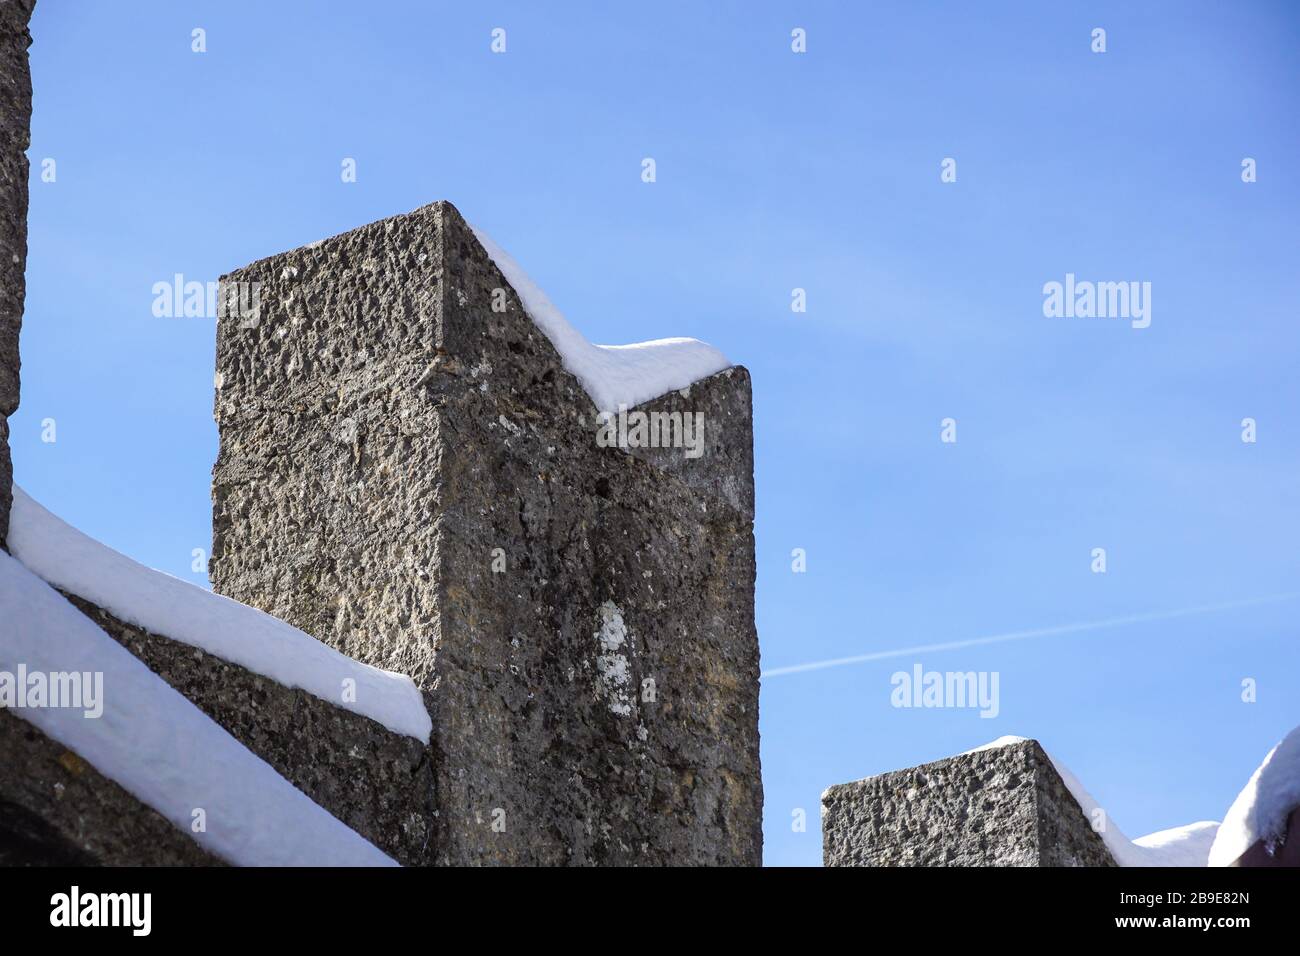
996	806
409	470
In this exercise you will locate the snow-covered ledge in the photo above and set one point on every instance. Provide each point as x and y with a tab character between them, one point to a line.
78	564
133	728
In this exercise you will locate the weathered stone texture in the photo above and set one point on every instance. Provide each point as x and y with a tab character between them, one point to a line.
56	809
376	781
1005	806
6	482
725	470
593	684
15	135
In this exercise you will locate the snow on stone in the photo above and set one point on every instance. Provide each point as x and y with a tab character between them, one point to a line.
1260	811
1006	741
159	746
612	375
1180	846
242	635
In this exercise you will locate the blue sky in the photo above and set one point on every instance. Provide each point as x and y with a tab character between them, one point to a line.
775	170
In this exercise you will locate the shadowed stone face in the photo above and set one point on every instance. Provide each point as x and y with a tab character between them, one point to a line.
1286	853
58	810
372	779
413	477
15	135
1004	806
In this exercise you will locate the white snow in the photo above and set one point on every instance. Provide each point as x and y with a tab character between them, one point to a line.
1006	741
613	375
242	635
1180	846
1260	811
160	747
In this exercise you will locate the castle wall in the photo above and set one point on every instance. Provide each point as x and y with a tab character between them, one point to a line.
58	810
374	780
1002	806
414	477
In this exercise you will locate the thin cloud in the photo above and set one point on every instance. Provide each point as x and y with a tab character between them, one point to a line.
1027	635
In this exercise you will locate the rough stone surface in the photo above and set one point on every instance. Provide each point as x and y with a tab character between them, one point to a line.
377	782
594	683
1005	806
15	135
725	470
56	809
6	482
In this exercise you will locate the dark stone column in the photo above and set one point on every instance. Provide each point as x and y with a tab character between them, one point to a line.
414	477
15	135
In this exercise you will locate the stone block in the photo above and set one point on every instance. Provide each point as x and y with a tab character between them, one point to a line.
374	780
1003	806
413	476
58	810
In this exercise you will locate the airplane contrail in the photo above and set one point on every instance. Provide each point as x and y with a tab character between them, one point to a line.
1026	635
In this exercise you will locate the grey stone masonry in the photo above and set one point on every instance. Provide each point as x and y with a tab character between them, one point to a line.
58	810
15	134
413	476
55	807
1004	806
374	780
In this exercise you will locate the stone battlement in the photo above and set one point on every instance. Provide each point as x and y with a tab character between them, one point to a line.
409	472
998	806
